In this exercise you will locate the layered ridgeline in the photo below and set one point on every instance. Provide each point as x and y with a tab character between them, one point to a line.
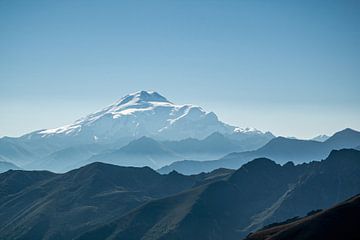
136	115
101	201
279	149
45	205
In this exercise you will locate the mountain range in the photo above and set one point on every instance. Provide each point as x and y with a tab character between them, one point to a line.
279	149
186	130
146	168
102	201
45	205
144	151
168	155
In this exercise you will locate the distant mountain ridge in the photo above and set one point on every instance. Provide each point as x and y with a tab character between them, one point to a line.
320	138
141	152
279	149
5	166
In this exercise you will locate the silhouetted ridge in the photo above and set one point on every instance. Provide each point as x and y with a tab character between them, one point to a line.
259	193
343	154
255	167
14	181
338	222
107	202
43	205
108	175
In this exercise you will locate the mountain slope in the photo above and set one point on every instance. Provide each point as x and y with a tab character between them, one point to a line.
320	138
141	152
279	149
12	151
347	138
214	145
338	222
143	113
68	158
257	194
43	205
5	166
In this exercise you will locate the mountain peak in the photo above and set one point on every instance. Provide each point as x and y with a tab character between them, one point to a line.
142	113
142	96
321	138
145	145
351	136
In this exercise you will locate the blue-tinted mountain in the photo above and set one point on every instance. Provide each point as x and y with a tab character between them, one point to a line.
143	113
14	181
5	166
259	193
141	152
347	138
102	201
320	138
279	149
68	158
12	151
214	145
144	151
252	140
44	205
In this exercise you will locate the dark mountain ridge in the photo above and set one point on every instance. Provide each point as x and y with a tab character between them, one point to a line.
259	193
43	205
102	201
338	222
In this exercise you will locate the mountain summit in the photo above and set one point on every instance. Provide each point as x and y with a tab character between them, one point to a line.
136	115
144	113
142	96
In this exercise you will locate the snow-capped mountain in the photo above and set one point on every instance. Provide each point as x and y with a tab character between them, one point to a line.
145	113
321	138
140	114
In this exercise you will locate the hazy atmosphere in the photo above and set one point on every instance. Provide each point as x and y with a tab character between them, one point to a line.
179	120
289	67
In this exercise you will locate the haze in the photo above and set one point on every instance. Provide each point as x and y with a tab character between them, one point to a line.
289	67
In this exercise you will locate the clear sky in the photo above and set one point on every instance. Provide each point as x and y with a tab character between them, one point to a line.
290	67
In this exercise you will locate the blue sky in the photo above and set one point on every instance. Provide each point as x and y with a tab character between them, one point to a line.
290	67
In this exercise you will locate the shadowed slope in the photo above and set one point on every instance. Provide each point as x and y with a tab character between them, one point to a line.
339	222
259	193
61	206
